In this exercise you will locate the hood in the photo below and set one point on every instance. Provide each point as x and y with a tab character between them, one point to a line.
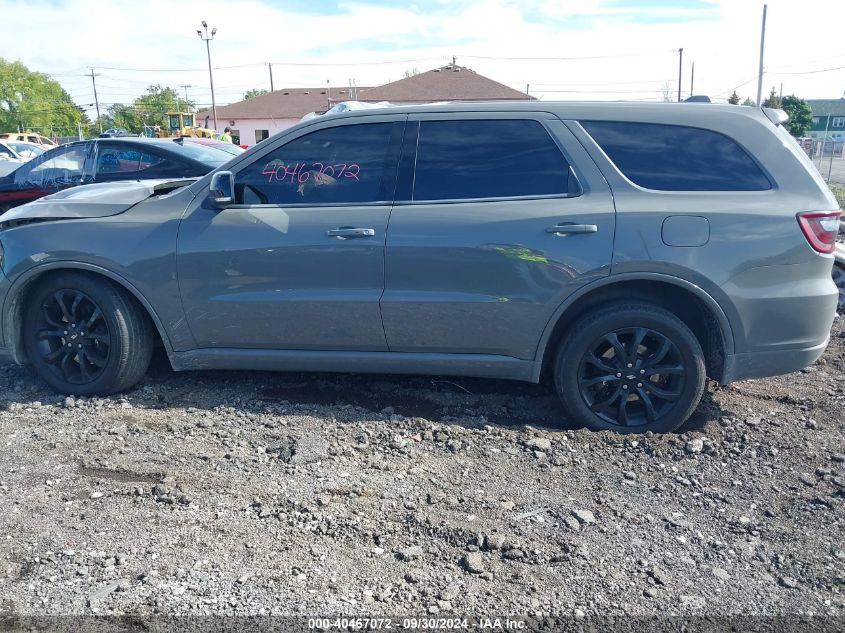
92	201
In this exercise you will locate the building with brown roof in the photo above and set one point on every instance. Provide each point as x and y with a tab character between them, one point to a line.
448	83
255	119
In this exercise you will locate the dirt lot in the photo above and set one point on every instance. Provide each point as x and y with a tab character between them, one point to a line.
238	493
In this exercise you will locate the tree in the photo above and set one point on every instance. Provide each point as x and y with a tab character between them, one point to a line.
410	72
152	108
32	101
772	101
800	115
255	92
734	98
749	102
666	92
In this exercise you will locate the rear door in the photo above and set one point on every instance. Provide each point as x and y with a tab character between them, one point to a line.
499	217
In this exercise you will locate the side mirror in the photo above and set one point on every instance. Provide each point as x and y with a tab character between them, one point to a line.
222	189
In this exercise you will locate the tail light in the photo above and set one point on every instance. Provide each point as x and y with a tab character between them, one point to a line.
820	228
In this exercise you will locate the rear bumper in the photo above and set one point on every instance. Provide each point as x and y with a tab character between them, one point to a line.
770	363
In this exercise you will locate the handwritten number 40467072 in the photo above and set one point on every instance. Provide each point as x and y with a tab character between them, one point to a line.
300	172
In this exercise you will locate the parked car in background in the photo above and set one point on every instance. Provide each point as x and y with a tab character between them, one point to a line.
628	251
839	265
26	150
223	146
116	132
28	137
105	160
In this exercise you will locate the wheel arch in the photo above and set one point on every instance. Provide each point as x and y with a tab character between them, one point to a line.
691	303
12	315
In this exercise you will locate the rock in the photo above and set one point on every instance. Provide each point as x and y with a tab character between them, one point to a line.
413	577
838	457
539	443
580	614
630	475
513	554
98	594
474	563
693	602
451	592
69	403
410	553
584	516
660	576
494	541
96	495
789	583
807	479
721	574
839	482
695	446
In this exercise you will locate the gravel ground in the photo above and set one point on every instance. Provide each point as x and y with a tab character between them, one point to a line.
258	493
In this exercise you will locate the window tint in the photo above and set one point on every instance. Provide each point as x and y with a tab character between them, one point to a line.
677	158
119	159
335	165
487	159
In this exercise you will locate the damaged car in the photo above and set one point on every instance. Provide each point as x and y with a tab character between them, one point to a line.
104	160
628	252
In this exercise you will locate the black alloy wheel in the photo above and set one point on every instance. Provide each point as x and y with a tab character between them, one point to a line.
629	368
74	338
85	335
631	377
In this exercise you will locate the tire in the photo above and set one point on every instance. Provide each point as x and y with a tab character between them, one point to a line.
606	385
84	335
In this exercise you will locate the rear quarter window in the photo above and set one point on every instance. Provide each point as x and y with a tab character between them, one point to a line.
676	157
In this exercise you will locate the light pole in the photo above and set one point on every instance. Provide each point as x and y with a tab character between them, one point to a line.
680	70
207	38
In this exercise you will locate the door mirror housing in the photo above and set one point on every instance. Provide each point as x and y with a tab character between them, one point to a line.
222	189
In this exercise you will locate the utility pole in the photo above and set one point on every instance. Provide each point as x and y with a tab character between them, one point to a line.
207	38
692	81
186	86
270	66
96	100
760	71
680	70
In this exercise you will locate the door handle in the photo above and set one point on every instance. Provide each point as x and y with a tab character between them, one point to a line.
567	229
348	231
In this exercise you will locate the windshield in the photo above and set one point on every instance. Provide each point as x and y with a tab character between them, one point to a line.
234	150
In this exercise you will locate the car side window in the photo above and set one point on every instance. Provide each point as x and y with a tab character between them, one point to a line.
5	151
677	158
494	158
121	159
65	166
336	165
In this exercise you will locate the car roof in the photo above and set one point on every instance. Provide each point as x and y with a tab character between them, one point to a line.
584	110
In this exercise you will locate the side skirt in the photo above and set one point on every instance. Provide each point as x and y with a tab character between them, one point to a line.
479	365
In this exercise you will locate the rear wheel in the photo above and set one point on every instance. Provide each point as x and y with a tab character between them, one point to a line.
85	335
630	368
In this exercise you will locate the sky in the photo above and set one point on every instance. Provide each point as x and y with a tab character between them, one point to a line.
563	49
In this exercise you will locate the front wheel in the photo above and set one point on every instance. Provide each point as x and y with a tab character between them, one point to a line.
84	335
630	368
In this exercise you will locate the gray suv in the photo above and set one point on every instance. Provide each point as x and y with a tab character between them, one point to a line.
627	250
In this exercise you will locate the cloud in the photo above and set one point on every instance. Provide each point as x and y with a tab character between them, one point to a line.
631	44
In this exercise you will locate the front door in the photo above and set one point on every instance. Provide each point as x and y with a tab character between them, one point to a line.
503	217
298	261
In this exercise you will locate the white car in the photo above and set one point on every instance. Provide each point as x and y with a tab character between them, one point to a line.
14	153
